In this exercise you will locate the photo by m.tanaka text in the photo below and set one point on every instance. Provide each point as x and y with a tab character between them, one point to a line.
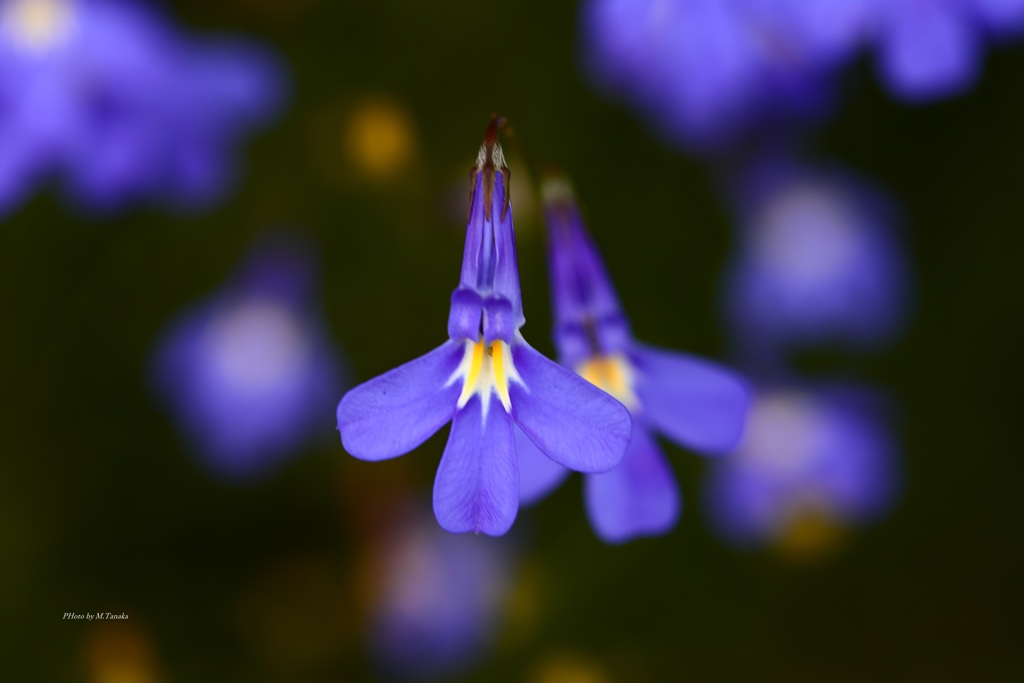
89	616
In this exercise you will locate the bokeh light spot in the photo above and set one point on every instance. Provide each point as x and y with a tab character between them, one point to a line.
119	652
379	138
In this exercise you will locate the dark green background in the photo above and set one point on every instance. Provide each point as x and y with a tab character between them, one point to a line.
100	505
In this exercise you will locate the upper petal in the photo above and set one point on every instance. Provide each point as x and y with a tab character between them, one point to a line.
699	404
640	497
539	475
477	484
572	422
394	413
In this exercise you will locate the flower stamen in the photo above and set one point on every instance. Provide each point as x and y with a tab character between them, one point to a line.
485	368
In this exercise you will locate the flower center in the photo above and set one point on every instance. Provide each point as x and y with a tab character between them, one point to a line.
809	234
486	368
783	433
257	346
36	25
612	374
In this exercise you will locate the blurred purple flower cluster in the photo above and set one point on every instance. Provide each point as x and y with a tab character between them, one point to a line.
707	72
819	262
440	601
107	98
250	375
930	49
814	459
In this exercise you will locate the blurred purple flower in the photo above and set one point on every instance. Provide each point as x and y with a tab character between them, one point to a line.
105	95
706	71
485	358
250	375
439	602
812	459
819	260
931	49
709	72
694	402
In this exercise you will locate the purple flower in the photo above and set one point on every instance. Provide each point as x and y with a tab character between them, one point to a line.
706	71
827	32
486	380
931	49
439	602
104	95
693	402
998	16
709	72
812	461
250	375
927	48
818	260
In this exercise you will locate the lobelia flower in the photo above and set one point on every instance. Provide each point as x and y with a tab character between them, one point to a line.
439	603
486	380
695	403
706	72
819	260
248	374
104	96
813	460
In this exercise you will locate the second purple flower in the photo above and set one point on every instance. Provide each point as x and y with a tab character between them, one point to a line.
694	402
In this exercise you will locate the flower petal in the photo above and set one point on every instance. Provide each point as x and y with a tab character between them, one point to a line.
1001	16
743	507
19	162
477	484
927	50
539	475
394	413
572	422
640	497
697	403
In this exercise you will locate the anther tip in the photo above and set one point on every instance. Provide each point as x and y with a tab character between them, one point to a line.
491	136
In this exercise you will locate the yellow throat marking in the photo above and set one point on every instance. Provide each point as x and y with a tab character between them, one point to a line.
612	374
486	369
